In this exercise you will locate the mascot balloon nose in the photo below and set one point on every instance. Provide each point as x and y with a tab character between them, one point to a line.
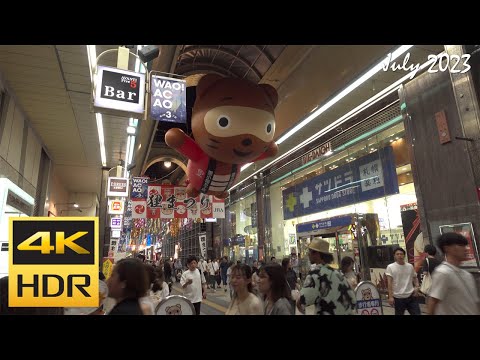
233	123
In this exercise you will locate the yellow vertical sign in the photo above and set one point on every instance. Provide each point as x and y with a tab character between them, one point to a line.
107	267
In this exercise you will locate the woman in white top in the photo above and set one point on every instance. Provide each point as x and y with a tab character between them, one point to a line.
159	289
157	292
229	278
244	302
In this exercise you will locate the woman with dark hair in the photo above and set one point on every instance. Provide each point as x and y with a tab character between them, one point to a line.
292	281
127	284
244	302
429	265
346	267
273	285
157	292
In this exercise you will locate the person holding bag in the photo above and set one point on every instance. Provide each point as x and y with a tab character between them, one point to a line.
291	278
429	264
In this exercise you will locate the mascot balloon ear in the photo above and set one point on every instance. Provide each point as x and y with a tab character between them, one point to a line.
271	93
206	82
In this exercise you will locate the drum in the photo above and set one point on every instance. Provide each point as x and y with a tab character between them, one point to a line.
103	293
175	305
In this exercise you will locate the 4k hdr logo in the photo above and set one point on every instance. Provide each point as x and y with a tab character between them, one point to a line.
53	262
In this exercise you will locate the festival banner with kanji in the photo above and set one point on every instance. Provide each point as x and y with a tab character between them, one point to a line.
169	202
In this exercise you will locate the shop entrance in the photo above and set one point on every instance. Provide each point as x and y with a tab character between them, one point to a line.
338	231
353	235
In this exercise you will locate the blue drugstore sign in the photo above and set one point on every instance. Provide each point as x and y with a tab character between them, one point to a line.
324	224
370	177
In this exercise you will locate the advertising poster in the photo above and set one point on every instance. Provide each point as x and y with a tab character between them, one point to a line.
466	230
139	188
412	233
168	100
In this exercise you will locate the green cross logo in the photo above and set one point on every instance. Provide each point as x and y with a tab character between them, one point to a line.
291	202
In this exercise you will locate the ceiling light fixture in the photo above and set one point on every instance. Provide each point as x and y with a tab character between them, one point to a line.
367	75
167	164
382	94
132	124
74	204
92	66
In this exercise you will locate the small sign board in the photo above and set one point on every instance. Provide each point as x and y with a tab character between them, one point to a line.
368	299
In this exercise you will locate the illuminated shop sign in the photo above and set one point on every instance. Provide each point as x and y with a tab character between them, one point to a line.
119	91
370	177
117	186
324	224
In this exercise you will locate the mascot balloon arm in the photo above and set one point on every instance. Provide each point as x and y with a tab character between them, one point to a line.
233	124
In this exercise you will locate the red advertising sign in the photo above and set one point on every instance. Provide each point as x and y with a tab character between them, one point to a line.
466	230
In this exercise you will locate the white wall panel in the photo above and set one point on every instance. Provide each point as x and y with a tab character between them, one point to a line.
37	147
29	157
16	139
5	141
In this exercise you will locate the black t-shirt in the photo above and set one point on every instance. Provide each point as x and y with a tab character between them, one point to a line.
224	267
127	307
432	264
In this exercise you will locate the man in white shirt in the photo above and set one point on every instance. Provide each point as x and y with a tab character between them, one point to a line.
193	284
216	268
402	285
453	290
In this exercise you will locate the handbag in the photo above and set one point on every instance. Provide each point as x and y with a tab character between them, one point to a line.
426	281
294	293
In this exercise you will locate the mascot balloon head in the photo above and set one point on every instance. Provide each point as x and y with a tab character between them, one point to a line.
233	123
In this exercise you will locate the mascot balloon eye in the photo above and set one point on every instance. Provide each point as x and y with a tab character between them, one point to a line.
233	123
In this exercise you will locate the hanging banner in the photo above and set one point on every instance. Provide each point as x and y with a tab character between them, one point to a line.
168	100
370	177
139	209
172	202
203	245
127	218
139	188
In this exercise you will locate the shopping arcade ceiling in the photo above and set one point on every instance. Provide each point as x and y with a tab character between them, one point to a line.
52	85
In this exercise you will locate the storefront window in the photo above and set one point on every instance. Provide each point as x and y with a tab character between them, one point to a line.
369	181
243	243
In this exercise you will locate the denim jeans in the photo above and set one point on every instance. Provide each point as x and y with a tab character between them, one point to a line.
410	304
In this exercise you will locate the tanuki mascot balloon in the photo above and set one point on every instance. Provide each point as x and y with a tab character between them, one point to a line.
233	123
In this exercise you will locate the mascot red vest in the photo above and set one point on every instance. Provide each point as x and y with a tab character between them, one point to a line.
233	123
